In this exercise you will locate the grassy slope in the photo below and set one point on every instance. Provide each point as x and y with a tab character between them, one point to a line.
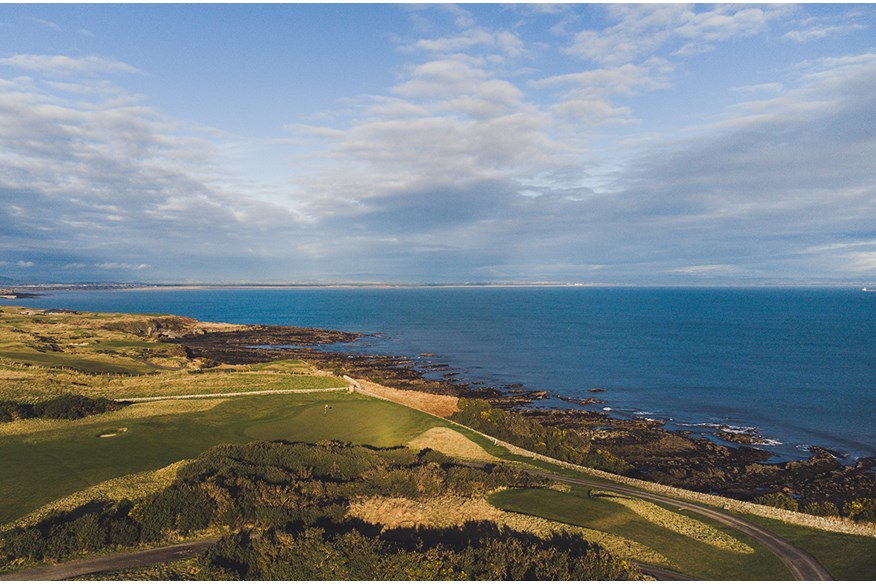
846	557
45	465
690	557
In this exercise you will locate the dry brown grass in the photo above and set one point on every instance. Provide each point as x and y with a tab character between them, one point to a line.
449	511
438	405
681	524
451	443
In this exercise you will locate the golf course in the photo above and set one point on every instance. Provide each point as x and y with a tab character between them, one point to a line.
167	408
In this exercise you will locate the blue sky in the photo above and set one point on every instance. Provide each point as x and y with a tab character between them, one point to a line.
610	143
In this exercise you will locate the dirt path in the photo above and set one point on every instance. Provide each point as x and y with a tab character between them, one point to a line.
113	562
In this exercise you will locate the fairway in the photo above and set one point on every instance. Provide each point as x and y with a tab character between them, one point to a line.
44	465
688	556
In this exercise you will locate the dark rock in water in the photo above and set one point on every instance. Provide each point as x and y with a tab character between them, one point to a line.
585	401
597	390
749	437
821	451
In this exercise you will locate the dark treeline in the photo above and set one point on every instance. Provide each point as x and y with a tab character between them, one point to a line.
286	507
63	407
517	429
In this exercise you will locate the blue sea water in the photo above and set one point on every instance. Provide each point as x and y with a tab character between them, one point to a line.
798	364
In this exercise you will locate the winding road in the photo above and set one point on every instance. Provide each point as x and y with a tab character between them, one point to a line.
801	565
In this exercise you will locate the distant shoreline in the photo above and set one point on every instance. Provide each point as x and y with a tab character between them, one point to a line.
28	290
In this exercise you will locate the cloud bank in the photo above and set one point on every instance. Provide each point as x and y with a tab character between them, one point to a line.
496	155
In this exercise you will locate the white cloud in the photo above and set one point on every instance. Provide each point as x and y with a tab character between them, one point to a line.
24	264
121	266
708	269
66	66
47	23
505	42
643	30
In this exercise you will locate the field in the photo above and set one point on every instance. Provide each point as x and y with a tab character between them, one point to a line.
45	464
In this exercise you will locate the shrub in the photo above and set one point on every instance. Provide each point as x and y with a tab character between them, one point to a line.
778	500
10	411
863	509
513	427
72	407
822	509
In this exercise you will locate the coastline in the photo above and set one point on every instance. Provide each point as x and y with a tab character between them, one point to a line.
674	458
683	458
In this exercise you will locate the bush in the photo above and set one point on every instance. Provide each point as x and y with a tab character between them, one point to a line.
72	407
513	427
11	411
861	509
778	500
64	407
823	509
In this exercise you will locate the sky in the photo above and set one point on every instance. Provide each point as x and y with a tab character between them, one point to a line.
649	144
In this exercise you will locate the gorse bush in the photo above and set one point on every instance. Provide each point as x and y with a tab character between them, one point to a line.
513	427
474	551
289	503
778	500
63	407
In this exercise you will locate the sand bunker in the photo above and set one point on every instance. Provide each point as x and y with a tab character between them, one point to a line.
113	432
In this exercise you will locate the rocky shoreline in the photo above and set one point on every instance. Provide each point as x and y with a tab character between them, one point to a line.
683	459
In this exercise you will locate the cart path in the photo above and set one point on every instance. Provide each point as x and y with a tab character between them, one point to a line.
113	562
801	565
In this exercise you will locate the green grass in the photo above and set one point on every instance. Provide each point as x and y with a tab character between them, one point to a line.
846	557
688	556
42	466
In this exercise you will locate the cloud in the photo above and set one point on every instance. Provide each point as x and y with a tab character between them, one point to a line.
587	95
24	264
831	25
505	42
119	266
47	23
821	32
773	174
89	175
67	66
643	30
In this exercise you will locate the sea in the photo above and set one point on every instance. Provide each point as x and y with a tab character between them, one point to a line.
798	365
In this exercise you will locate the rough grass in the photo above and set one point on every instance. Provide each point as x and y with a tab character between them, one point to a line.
451	443
688	556
676	522
448	511
438	405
